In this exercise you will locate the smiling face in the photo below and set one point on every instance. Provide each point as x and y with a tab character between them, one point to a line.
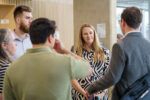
88	35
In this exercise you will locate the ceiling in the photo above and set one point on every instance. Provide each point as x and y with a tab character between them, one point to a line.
143	4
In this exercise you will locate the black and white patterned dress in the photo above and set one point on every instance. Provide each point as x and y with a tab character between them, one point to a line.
3	67
99	68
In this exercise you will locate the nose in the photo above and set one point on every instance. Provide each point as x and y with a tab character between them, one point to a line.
15	44
88	35
30	21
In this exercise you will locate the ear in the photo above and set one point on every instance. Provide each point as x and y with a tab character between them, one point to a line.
123	23
4	45
17	19
49	38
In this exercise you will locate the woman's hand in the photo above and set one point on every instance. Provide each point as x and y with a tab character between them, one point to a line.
77	86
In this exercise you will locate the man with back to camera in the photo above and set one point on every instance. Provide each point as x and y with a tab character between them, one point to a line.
130	57
41	73
23	19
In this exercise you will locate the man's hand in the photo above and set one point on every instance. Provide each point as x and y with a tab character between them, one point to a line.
88	95
59	47
101	95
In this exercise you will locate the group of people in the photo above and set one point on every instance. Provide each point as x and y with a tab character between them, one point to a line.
14	43
43	69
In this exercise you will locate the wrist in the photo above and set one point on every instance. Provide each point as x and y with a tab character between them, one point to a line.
105	91
65	51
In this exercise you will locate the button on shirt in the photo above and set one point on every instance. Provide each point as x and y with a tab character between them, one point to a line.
22	45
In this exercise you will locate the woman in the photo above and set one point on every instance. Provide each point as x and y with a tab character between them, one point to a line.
7	49
98	57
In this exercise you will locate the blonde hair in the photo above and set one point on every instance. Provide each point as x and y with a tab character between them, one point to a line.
98	52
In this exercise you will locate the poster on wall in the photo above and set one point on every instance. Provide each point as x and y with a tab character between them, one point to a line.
101	30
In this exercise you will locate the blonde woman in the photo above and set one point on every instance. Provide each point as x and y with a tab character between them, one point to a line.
88	47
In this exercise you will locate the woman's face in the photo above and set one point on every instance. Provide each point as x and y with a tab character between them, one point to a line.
11	46
88	35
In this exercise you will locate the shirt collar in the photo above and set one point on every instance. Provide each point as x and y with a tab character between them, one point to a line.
40	49
131	32
17	38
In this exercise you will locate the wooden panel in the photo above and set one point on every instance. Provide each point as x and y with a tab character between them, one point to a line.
7	14
62	12
7	8
97	12
59	10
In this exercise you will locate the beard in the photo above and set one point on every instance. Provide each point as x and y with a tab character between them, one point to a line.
24	28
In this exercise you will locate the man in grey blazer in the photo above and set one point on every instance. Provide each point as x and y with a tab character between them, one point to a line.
130	57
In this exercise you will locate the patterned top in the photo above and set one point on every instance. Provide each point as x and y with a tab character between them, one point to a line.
99	68
3	66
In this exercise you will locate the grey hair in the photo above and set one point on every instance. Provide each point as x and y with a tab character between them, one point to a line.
4	37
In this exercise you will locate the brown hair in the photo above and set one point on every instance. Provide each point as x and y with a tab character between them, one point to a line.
132	16
20	9
4	37
98	52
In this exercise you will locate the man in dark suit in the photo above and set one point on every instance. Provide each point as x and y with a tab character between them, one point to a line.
130	57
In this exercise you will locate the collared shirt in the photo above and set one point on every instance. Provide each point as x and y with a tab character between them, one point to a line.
22	45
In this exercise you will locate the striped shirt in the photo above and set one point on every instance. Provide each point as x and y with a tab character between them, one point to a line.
3	66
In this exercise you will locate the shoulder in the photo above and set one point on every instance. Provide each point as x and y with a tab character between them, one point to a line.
3	63
61	57
105	50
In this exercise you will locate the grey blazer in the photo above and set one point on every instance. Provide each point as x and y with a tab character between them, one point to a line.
130	61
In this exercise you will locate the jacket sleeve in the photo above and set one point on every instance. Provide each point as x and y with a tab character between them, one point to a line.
115	70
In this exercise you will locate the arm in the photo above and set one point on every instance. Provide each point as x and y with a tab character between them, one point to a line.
105	69
59	47
77	86
107	63
113	75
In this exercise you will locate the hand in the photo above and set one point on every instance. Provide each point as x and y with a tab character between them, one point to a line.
58	46
101	95
85	95
88	95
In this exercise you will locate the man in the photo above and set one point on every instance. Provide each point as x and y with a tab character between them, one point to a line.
41	73
23	19
119	37
130	57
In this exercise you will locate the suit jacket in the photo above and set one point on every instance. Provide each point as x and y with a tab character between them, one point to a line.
130	61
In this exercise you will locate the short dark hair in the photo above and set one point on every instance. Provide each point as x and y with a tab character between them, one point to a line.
20	9
132	16
40	29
